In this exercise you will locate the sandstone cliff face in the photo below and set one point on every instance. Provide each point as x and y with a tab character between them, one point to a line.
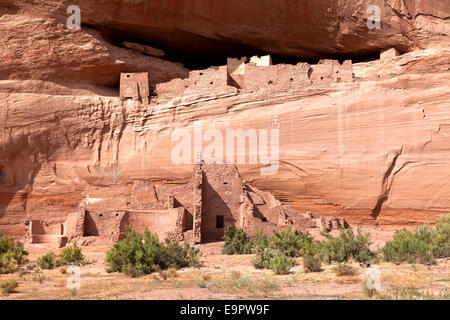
306	28
375	150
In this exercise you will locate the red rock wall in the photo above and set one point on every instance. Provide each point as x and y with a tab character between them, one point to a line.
375	151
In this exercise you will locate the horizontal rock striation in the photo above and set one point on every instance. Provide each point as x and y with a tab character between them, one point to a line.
373	150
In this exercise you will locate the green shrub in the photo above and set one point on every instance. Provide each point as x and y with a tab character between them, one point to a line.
268	258
441	238
259	240
12	255
344	247
137	255
312	264
407	246
71	256
8	286
263	257
423	245
281	264
67	256
288	242
236	241
180	256
47	261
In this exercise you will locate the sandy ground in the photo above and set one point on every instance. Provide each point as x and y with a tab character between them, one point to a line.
231	277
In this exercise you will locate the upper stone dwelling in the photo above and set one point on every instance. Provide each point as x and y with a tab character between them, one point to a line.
238	74
135	86
260	73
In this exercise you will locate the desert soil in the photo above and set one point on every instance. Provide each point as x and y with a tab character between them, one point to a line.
232	277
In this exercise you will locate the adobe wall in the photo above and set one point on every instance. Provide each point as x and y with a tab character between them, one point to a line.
198	211
99	224
200	82
247	77
262	61
40	227
221	196
161	222
139	195
134	86
235	72
280	76
331	71
105	211
41	232
197	203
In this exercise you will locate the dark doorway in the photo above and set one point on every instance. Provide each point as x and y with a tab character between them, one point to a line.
219	222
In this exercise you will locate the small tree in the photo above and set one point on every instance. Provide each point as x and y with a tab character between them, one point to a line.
236	241
12	255
137	255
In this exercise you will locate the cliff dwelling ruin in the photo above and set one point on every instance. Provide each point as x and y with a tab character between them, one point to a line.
216	196
198	211
134	86
247	76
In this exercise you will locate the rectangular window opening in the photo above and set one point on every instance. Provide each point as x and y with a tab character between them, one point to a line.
219	222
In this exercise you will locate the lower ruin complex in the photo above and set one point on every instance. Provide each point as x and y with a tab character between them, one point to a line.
198	211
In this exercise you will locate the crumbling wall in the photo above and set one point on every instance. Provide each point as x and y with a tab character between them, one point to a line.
200	83
99	224
161	222
74	225
41	232
331	71
177	234
235	72
221	200
279	77
262	61
258	74
134	86
145	197
197	211
198	203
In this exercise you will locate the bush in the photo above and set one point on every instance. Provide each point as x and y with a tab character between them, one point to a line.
281	264
12	255
288	242
407	246
312	264
67	256
259	241
137	255
344	270
8	286
423	245
344	247
441	238
236	241
47	261
263	257
71	256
